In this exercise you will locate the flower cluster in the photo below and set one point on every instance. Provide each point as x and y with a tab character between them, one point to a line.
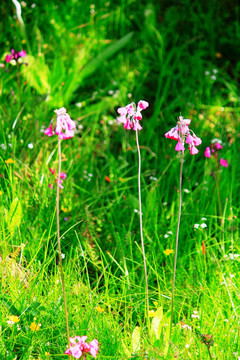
13	319
15	55
62	177
80	348
64	125
213	149
182	134
130	115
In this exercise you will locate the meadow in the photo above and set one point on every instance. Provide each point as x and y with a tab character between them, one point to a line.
93	58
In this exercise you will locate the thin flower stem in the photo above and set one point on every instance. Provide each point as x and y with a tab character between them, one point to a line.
177	236
59	242
141	229
19	84
209	353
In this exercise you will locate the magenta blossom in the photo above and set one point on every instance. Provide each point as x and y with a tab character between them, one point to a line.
64	125
60	181
182	134
213	150
79	347
15	55
130	115
207	152
223	162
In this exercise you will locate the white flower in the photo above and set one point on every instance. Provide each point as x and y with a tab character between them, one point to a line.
186	191
30	146
195	316
196	226
213	141
203	226
166	236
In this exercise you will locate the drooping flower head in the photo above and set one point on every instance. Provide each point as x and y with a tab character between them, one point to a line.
15	55
79	347
182	134
130	115
213	149
64	125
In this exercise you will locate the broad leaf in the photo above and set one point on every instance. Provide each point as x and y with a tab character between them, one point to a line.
14	215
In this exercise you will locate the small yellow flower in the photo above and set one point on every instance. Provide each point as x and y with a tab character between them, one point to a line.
99	309
34	326
47	353
65	209
10	161
14	318
1	193
155	303
168	252
151	313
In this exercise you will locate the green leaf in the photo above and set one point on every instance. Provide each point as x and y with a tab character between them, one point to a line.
136	339
37	74
75	79
9	305
104	55
14	215
166	336
126	351
157	323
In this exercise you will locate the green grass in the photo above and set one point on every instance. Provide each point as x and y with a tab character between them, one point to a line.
92	64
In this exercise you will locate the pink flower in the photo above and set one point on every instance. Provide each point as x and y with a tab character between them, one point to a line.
193	150
137	126
189	139
63	175
207	152
49	131
79	347
218	146
172	134
183	134
60	181
15	55
94	348
223	162
64	125
130	115
197	141
179	146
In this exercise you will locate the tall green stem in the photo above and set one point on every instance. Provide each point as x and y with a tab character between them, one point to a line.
177	236
141	229
59	242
